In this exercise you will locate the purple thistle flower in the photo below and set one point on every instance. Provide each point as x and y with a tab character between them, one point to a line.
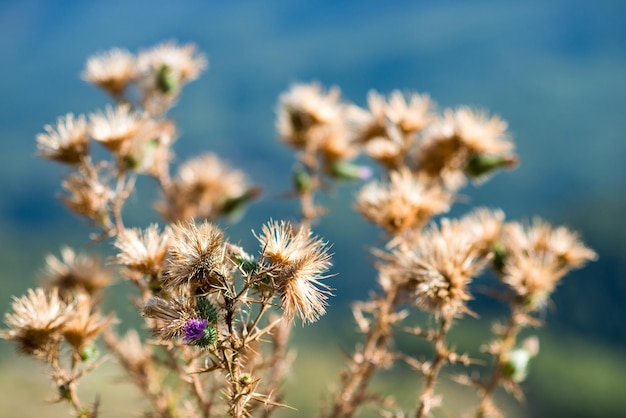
194	330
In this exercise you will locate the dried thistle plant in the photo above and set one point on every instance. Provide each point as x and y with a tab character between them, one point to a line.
424	266
219	315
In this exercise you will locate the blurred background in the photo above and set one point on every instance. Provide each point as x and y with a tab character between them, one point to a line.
555	70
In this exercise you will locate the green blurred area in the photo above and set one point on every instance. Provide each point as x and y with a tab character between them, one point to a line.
554	70
569	378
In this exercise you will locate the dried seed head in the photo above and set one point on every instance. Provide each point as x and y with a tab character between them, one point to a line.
114	127
305	107
67	142
89	195
316	121
486	225
85	324
111	70
405	202
203	188
454	139
75	273
537	256
407	114
297	261
36	320
479	132
386	150
411	113
181	62
143	251
196	258
335	144
436	268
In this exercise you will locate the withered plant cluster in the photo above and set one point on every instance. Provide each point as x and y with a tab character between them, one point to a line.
220	315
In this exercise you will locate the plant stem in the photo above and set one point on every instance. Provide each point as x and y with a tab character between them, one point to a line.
364	364
504	347
442	354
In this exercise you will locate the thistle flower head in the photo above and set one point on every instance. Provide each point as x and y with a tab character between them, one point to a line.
371	123
203	188
389	127
67	142
111	70
335	144
114	127
410	113
75	273
297	262
85	324
194	330
36	320
196	257
436	268
143	251
88	194
180	317
479	132
304	106
486	225
537	256
167	66
454	139
386	150
172	316
405	202
307	114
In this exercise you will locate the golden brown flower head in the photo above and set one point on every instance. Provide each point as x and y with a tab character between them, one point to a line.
408	113
405	202
387	150
437	267
537	256
36	321
389	127
479	132
297	262
111	70
114	127
196	258
411	113
85	324
453	140
75	273
370	123
304	107
203	188
486	225
143	251
314	120
88	196
335	143
67	142
166	67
